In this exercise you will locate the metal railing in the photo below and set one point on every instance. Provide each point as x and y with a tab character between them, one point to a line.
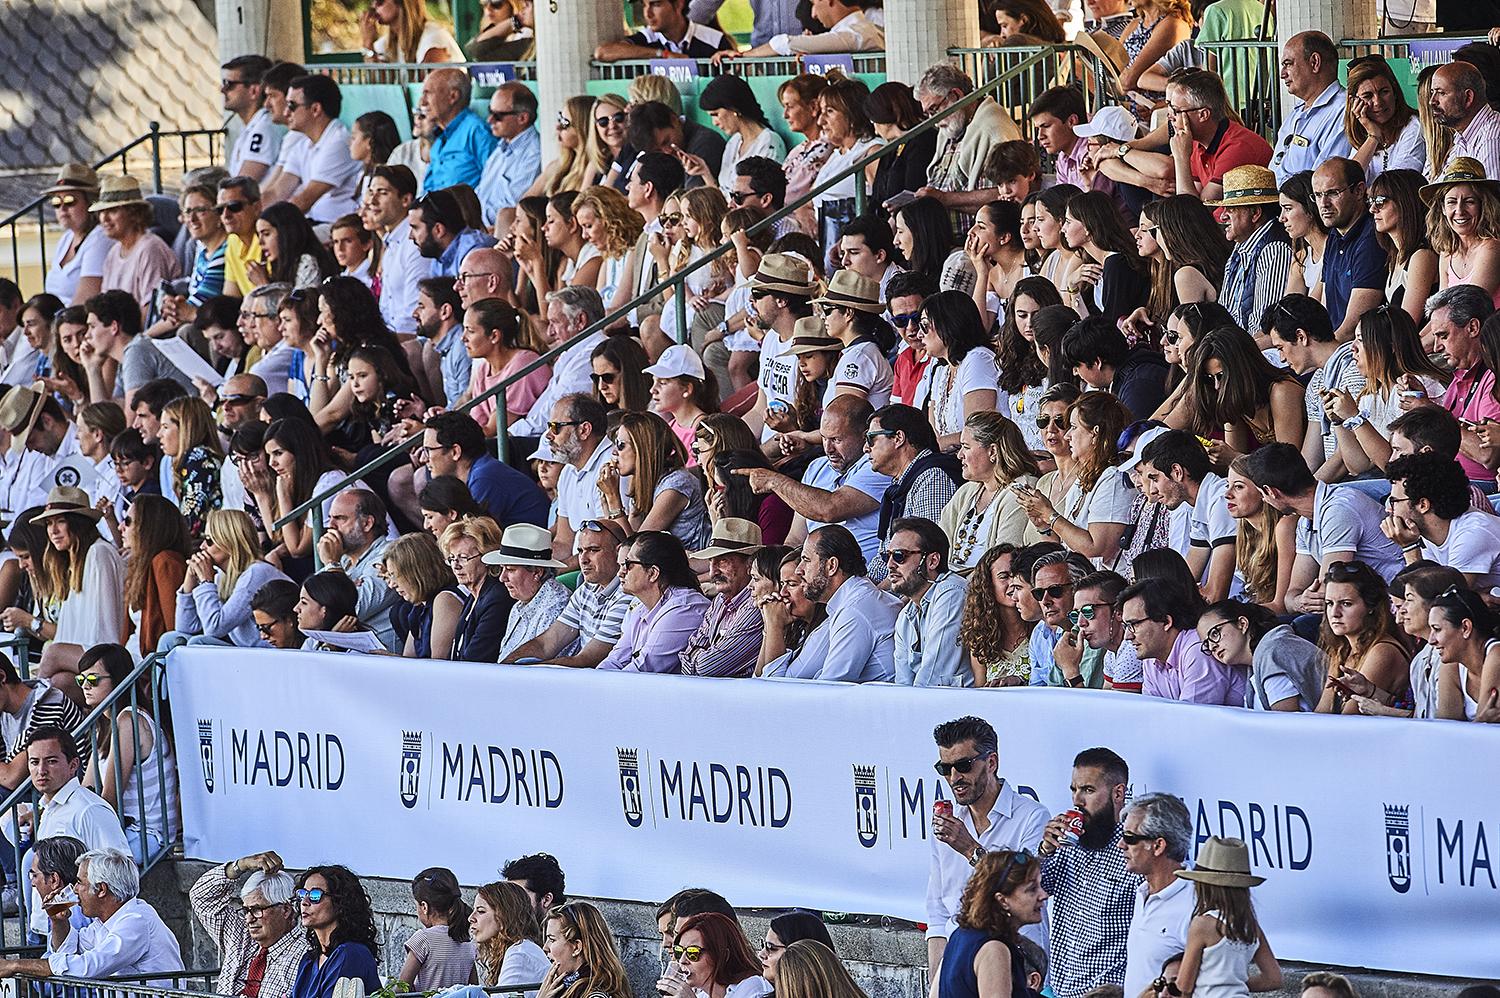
1031	69
355	74
629	69
676	283
27	229
145	986
1249	71
150	834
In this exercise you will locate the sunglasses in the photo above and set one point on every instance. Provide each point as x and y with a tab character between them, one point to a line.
738	197
605	527
905	319
962	765
875	435
1133	838
1379	201
607	378
563	121
1045	422
89	680
556	427
1086	612
605	120
1052	592
64	200
692	953
497	115
898	557
670	218
232	207
311	895
1170	338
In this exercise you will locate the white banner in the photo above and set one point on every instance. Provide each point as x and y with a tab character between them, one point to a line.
1376	835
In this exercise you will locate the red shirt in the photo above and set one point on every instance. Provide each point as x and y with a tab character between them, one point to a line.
907	375
1234	145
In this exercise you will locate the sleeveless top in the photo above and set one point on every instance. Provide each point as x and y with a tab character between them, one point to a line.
158	784
1455	278
1312	270
1471	706
1225	972
956	978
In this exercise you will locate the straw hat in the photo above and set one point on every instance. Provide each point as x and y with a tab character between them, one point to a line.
1461	170
850	290
1225	862
784	273
74	177
1248	185
526	545
810	336
732	535
19	411
117	192
66	500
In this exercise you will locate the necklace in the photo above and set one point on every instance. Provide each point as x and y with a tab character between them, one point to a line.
968	528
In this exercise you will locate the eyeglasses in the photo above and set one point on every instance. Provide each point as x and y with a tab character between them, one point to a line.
458	560
962	765
605	120
89	680
905	319
464	275
1051	592
232	207
1332	192
898	557
1130	625
193	213
873	435
556	426
1185	110
1132	838
259	315
312	895
607	378
1046	422
1211	639
64	200
692	953
1392	500
675	218
252	912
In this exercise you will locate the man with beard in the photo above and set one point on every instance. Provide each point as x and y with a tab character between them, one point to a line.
440	317
437	230
955	177
928	652
987	814
355	544
727	642
1092	892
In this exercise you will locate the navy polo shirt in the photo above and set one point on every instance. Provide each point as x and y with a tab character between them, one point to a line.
508	494
1351	262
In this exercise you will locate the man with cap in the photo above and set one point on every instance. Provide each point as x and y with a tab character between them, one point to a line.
40	437
862	368
781	292
928	652
589	626
727	643
1255	276
529	573
77	270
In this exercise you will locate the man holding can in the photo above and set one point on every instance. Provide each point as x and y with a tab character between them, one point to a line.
1084	872
985	813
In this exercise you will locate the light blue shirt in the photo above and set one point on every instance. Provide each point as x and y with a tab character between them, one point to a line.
821	474
458	153
401	268
375	597
928	652
455	362
1312	134
1043	640
511	169
861	634
447	264
275	367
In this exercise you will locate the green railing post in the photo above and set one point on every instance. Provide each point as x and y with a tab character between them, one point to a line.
502	430
315	521
681	304
156	157
859	193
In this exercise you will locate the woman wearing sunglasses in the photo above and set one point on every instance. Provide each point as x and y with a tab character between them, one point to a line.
1286	671
608	129
341	939
1463	630
712	960
567	171
585	963
1051	421
1003	894
77	271
122	735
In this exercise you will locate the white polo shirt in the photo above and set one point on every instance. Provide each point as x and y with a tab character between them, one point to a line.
1158	932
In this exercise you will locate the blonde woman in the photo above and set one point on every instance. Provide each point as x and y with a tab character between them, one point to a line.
1463	221
426	620
87	574
188	436
409	35
481	625
808	969
664	495
986	511
221	580
507	937
567	171
578	942
1159	41
607	130
612	227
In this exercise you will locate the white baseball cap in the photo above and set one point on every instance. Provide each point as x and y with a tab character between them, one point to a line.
1110	123
1128	465
678	361
544	452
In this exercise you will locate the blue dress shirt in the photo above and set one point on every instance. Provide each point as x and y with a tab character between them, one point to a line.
459	151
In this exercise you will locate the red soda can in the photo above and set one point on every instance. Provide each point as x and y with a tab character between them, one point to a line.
942	809
1075	821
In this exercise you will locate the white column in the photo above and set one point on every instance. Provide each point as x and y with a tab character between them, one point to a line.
567	32
272	28
919	33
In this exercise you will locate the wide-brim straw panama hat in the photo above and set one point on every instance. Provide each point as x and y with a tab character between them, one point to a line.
19	411
1223	862
1463	170
67	500
732	535
1248	185
524	544
74	177
850	290
786	274
117	192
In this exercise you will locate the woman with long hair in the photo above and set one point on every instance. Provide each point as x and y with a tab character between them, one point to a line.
507	936
964	379
445	499
1051	421
851	136
1003	894
1224	939
1194	245
579	260
1305	226
923	233
222	579
612	227
86	574
1286	672
1360	635
189	437
526	229
275	611
684	392
730	494
33	606
1382	128
996	639
1059	261
125	735
1029	237
1234	392
77	270
608	131
1464	632
1265	542
719	433
1185	325
1150	247
69	381
341	937
426	619
1463	222
733	108
995	252
1025	22
852	313
1095	512
297	456
703	211
566	172
1387	350
439	954
487	604
799	107
785	930
154	541
293	253
985	510
1401	230
712	957
787	614
372	139
1158	41
1436	137
348	318
813	970
1023	376
578	942
409	35
1112	281
1048	327
619	377
381	394
664	495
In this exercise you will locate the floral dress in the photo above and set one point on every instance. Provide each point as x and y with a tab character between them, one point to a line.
198	487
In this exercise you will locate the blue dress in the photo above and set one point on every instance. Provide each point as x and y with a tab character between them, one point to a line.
348	959
416	621
957	979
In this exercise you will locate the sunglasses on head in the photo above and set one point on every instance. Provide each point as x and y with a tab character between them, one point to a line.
962	765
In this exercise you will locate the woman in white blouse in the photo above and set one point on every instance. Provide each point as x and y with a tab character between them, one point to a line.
1096	511
410	36
844	126
962	376
503	925
88	573
1383	129
731	104
77	271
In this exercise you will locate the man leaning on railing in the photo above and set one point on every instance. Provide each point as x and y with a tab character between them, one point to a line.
125	935
255	927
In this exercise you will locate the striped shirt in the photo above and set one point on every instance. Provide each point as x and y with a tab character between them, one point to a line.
596	612
727	643
1481	141
1255	275
46	704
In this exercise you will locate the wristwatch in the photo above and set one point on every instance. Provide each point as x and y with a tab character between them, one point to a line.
975	855
1354	422
1122	150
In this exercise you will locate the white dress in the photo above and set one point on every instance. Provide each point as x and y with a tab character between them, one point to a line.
976	372
1225	972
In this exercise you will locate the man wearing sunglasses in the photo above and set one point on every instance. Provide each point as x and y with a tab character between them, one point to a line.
988	815
1052	578
255	148
928	652
253	926
1156	839
239	201
517	160
1095	618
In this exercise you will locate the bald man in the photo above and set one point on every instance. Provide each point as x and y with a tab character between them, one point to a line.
1314	131
1459	99
481	275
461	142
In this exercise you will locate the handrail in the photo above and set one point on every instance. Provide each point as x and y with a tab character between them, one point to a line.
676	280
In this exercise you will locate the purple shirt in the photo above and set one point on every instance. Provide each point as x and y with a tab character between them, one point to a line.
1068	170
1191	676
653	640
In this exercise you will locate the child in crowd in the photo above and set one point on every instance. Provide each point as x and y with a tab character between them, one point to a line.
439	954
1224	939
